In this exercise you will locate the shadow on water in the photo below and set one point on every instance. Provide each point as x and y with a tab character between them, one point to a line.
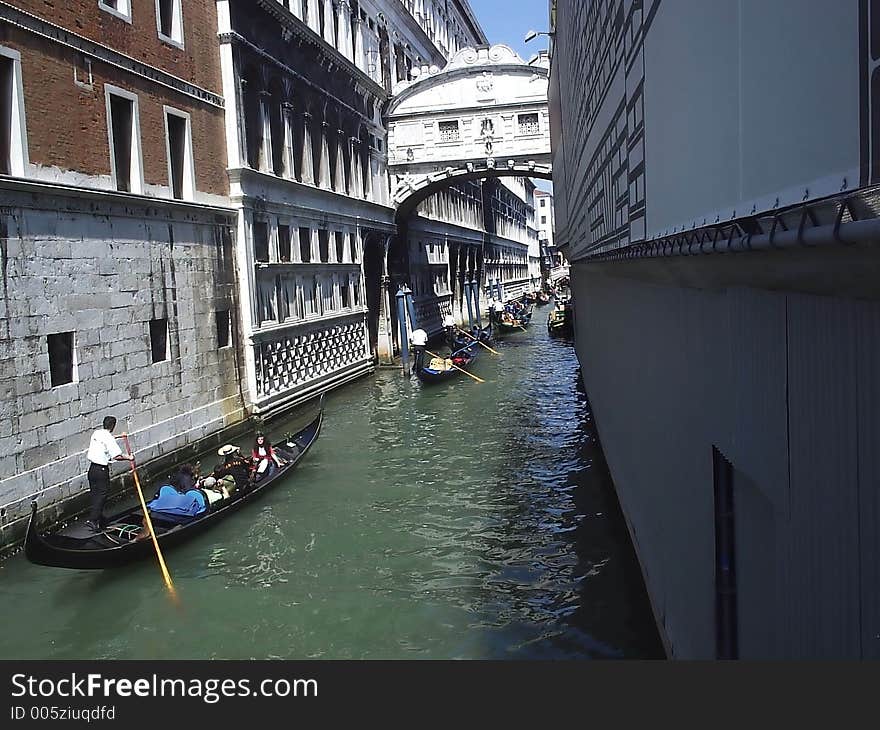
564	560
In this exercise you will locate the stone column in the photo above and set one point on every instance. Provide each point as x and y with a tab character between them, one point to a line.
289	145
374	175
315	242
339	184
314	17
392	65
324	162
384	193
307	172
343	28
368	174
359	59
329	34
386	333
347	246
266	127
356	187
296	8
295	254
331	247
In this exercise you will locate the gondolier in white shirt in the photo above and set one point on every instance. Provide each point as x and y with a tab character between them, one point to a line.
102	450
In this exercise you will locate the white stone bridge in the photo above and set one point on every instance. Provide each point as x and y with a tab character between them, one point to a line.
484	115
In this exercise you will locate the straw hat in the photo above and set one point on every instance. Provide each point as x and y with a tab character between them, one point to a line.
227	449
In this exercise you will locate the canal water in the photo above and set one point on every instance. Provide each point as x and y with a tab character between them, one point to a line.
472	520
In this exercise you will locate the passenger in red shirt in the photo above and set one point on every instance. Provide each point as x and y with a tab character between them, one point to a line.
266	461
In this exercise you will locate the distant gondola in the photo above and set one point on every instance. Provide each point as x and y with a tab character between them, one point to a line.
559	323
117	544
505	321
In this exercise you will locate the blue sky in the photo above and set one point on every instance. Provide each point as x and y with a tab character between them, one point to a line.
508	21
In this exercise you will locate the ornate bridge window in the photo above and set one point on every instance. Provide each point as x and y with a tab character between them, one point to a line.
528	124
449	131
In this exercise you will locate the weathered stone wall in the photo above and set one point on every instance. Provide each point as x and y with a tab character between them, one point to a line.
103	265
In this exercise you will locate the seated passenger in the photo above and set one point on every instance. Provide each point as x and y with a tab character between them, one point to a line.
213	490
184	478
266	461
235	465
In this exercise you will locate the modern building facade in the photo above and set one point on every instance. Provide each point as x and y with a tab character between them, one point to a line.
714	185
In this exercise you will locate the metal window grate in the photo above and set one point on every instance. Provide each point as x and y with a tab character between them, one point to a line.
528	124
449	132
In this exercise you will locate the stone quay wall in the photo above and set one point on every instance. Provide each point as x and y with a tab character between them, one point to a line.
103	265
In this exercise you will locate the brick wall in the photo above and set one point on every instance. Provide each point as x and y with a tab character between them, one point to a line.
197	62
67	124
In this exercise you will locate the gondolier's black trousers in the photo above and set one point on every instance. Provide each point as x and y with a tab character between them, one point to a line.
99	483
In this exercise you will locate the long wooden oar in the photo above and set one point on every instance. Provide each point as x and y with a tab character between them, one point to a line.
479	380
165	574
477	340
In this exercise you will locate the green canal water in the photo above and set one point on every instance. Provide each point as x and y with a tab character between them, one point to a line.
472	521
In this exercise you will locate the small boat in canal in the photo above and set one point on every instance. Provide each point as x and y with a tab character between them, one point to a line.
513	318
559	322
431	369
123	539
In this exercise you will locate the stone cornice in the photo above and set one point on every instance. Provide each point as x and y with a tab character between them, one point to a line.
40	195
105	54
263	190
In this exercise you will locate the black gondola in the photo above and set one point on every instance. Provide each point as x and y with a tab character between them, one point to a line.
559	323
117	544
506	321
440	370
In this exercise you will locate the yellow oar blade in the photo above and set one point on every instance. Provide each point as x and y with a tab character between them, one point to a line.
165	574
478	341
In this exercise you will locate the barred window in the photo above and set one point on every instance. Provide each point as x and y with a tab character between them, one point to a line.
449	131
528	123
